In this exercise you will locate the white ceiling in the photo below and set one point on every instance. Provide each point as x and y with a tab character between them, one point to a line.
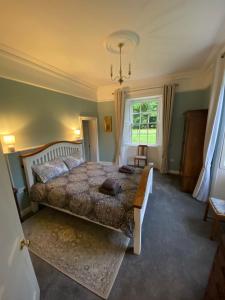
175	35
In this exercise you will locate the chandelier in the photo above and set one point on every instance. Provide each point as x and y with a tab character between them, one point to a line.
115	43
120	77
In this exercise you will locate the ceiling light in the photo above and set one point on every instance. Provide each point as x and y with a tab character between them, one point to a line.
120	77
123	40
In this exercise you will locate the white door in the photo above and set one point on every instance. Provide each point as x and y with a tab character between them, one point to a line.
17	277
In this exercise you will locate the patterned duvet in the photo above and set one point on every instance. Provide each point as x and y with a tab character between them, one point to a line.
77	191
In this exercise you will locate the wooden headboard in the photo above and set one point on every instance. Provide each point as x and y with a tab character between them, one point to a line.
49	152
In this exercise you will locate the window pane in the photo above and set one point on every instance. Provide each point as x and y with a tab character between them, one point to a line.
135	126
153	106
152	136
144	133
136	119
136	107
144	118
143	139
152	119
153	125
135	135
144	107
144	127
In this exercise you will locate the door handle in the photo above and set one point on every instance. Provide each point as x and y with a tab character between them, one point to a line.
24	243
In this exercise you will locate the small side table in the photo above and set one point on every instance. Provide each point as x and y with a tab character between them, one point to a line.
15	190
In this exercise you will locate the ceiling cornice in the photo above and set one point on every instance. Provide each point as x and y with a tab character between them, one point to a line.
218	47
212	58
18	66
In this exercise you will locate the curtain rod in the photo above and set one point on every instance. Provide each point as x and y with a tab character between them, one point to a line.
150	88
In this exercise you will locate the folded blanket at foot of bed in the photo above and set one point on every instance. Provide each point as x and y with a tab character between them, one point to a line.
110	187
126	169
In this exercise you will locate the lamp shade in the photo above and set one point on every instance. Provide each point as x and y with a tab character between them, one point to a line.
9	139
77	131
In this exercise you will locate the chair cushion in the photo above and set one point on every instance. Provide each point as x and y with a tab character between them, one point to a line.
140	157
218	205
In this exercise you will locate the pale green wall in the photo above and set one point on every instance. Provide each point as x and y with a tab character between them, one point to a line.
106	139
183	101
37	116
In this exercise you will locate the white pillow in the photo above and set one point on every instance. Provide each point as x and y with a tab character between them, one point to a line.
49	170
72	162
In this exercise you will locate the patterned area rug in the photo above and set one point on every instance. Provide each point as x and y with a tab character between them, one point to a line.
88	253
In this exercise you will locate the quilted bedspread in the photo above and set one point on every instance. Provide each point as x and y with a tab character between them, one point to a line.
77	191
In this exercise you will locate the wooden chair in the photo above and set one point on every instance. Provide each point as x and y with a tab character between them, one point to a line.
218	208
141	155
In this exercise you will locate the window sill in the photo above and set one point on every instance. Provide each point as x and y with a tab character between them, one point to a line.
135	145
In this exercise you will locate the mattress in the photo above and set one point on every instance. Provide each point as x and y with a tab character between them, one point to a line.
77	191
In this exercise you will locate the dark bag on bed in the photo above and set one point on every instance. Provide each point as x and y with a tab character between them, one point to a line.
126	169
110	187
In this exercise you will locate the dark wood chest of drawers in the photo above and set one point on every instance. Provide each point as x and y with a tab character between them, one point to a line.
216	284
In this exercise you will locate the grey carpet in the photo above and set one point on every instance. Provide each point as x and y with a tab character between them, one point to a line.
88	253
176	254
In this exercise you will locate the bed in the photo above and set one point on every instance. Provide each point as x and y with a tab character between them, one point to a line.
76	192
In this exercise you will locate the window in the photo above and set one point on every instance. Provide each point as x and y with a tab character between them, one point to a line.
144	121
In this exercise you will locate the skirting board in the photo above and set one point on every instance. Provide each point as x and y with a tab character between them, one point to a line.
25	211
107	163
174	172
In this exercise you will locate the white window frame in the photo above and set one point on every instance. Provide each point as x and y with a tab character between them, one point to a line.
159	118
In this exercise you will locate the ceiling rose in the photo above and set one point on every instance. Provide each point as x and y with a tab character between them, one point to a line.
129	39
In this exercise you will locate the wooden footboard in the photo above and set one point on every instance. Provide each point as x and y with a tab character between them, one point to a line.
140	203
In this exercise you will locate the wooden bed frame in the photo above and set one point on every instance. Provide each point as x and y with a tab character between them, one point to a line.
63	148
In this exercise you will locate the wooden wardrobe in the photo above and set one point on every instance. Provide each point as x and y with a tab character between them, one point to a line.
193	143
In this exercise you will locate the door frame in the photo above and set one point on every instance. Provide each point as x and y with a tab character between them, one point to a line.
95	120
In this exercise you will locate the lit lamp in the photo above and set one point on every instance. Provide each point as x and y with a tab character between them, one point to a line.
10	140
77	133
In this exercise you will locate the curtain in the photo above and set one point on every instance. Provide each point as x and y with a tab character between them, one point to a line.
201	191
168	99
119	97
